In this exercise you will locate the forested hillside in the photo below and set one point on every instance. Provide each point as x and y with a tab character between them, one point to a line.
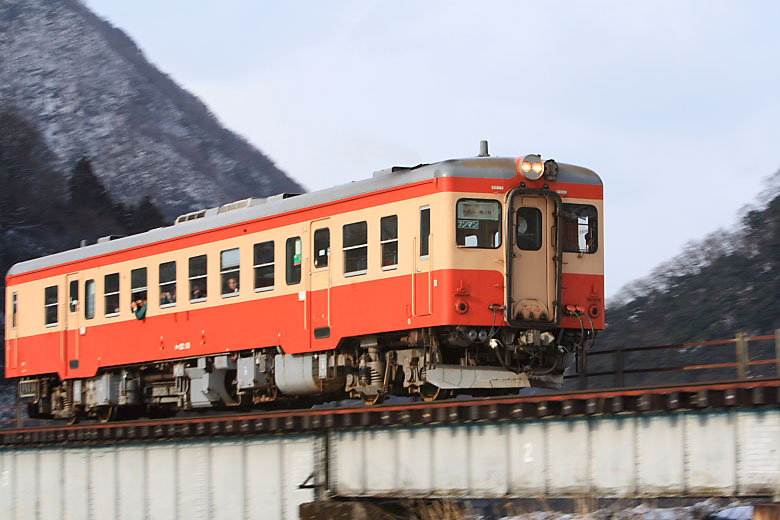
43	211
726	283
90	92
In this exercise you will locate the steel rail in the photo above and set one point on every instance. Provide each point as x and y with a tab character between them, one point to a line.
658	399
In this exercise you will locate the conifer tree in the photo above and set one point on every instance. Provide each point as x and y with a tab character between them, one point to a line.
86	190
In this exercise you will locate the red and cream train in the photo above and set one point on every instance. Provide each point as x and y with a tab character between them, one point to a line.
480	275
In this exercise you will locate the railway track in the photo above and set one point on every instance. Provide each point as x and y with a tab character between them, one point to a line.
651	399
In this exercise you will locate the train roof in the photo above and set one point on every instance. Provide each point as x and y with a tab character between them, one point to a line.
254	208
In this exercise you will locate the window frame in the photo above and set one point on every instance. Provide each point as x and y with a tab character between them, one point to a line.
386	242
355	247
163	285
233	270
47	305
595	228
290	270
73	302
256	266
540	234
425	239
14	309
87	308
112	293
204	277
142	289
499	220
315	249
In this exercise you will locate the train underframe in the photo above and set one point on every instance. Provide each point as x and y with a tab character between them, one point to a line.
431	363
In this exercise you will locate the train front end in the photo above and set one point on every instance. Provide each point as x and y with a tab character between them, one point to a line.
536	303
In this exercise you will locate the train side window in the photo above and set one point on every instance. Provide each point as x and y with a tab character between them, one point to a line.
294	254
580	228
264	266
198	278
138	284
50	305
89	299
355	240
388	240
478	223
229	272
425	231
73	299
14	308
168	284
528	228
321	247
111	294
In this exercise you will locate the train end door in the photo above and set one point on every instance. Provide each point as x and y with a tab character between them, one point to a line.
533	259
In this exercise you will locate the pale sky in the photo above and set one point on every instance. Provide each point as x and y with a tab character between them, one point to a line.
675	104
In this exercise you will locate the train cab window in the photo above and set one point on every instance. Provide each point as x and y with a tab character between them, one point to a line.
580	228
425	231
388	240
50	305
198	278
229	272
168	284
294	257
321	247
264	266
138	284
355	240
73	298
13	311
478	223
89	299
111	294
528	227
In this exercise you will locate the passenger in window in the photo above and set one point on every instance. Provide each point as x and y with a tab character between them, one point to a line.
197	293
139	307
167	297
589	243
232	285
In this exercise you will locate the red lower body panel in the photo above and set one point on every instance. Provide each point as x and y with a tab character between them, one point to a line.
360	308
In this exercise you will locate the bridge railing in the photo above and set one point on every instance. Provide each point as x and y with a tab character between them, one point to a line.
17	421
757	356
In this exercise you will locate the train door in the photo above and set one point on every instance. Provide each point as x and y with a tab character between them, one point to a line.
319	283
72	332
421	278
13	355
534	259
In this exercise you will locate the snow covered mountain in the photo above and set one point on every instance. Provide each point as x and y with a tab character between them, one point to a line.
90	92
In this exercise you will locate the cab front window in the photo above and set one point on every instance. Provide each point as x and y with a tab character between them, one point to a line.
478	223
580	228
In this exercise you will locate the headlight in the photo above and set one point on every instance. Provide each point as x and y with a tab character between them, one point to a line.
531	166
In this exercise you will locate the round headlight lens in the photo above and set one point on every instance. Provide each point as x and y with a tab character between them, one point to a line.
531	166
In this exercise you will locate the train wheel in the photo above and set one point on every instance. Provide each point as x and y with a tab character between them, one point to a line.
429	392
106	414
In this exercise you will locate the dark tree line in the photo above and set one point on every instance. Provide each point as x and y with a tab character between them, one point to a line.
43	211
725	284
85	191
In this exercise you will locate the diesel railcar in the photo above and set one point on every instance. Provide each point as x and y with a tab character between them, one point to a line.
481	275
